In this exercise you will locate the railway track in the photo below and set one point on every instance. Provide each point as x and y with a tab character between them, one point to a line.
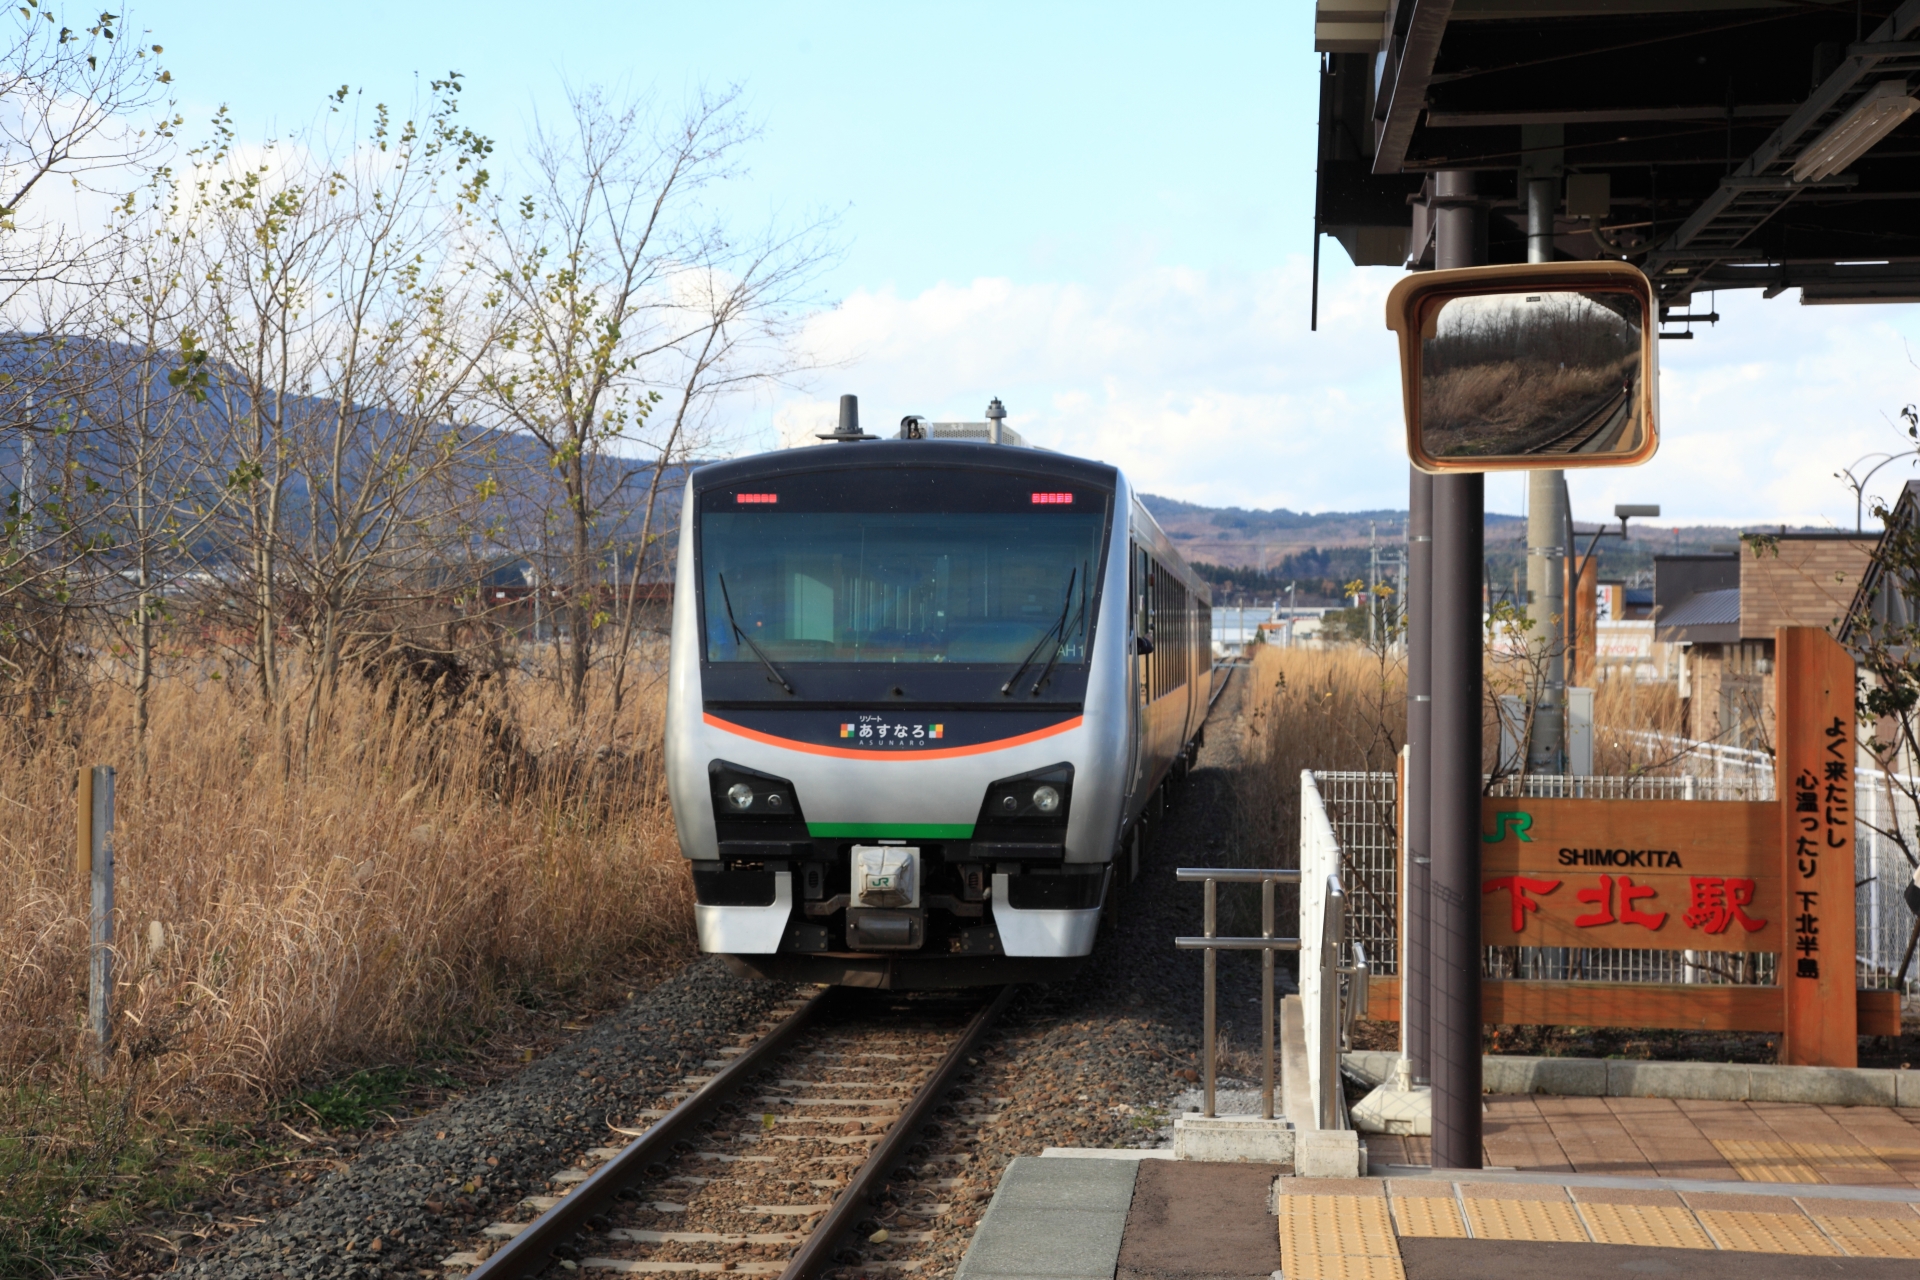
833	1141
1582	433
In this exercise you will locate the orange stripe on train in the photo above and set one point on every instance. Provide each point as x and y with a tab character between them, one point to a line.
856	753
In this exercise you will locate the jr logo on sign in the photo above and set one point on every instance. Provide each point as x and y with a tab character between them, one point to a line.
1518	824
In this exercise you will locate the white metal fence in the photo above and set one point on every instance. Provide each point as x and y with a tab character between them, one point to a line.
1362	814
1333	963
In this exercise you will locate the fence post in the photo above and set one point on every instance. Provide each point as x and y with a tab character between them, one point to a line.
1332	939
94	855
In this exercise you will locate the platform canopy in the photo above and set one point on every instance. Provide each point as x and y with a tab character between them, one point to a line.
1717	144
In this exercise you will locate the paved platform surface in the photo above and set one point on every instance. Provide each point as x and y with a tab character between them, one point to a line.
1681	1138
1416	1228
1133	1219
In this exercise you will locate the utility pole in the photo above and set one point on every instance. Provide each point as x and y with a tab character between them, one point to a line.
1373	584
27	480
1415	1012
1454	767
1541	166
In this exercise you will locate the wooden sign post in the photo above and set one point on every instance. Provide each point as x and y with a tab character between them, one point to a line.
93	859
1816	749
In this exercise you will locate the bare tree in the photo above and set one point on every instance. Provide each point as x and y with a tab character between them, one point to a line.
633	311
85	104
344	320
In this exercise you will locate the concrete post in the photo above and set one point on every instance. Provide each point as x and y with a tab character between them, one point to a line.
1546	522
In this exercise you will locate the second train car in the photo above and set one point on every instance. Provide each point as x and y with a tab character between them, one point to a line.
922	692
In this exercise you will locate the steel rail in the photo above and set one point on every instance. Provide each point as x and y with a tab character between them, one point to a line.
531	1250
817	1252
1221	688
1604	415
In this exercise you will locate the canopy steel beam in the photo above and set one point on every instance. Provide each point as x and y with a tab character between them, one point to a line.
1749	196
1411	50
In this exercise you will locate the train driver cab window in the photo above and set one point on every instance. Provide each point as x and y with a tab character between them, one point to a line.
901	567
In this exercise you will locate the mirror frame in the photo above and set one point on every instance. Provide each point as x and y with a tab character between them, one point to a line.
1416	297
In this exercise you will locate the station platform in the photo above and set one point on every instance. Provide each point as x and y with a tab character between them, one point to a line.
1715	1141
1083	1215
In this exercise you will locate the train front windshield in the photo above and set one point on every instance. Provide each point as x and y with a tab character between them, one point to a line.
901	566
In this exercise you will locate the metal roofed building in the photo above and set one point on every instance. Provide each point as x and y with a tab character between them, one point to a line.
1718	144
1721	611
1705	617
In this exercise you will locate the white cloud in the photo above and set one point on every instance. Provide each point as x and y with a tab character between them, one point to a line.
1209	387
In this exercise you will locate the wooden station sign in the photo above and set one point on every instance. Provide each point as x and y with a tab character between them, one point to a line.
1693	875
1698	875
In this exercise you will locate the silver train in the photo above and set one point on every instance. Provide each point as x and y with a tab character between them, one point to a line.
924	696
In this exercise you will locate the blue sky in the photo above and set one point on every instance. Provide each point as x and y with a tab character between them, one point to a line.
1099	213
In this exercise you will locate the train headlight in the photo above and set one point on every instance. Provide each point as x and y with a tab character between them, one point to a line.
750	805
1039	800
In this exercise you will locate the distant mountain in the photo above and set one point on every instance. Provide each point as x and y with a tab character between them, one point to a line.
1253	555
1239	538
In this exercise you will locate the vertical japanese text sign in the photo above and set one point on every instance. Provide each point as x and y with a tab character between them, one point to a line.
1815	784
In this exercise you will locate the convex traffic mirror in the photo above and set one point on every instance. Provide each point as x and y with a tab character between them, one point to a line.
1523	367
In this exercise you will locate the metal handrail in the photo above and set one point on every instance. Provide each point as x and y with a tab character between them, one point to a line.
1211	943
1238	875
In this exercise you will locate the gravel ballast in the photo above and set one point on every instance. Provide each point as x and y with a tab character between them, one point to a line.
1099	1060
404	1205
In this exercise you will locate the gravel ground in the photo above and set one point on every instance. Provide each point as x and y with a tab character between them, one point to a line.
1101	1060
1105	1059
406	1204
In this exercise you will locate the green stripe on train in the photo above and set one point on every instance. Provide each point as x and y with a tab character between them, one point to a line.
891	830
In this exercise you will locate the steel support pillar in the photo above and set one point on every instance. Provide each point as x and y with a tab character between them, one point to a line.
1415	1017
1459	515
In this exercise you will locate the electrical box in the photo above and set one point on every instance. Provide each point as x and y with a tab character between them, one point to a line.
1589	195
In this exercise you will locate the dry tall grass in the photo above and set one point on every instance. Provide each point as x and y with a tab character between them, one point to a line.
1345	708
1335	708
1508	406
412	875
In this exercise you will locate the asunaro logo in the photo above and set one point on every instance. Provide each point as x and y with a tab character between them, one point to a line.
1517	823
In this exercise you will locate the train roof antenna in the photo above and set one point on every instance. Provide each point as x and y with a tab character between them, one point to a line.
849	428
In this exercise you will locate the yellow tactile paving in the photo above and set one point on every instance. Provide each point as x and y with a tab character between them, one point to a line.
1765	1232
1428	1216
1505	1219
1341	1267
1834	1161
1353	1225
1337	1238
1664	1226
1873	1237
1767	1161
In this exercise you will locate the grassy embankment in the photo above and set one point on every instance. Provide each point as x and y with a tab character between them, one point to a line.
294	940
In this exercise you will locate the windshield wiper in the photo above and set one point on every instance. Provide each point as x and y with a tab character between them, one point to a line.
765	661
1058	627
1060	645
